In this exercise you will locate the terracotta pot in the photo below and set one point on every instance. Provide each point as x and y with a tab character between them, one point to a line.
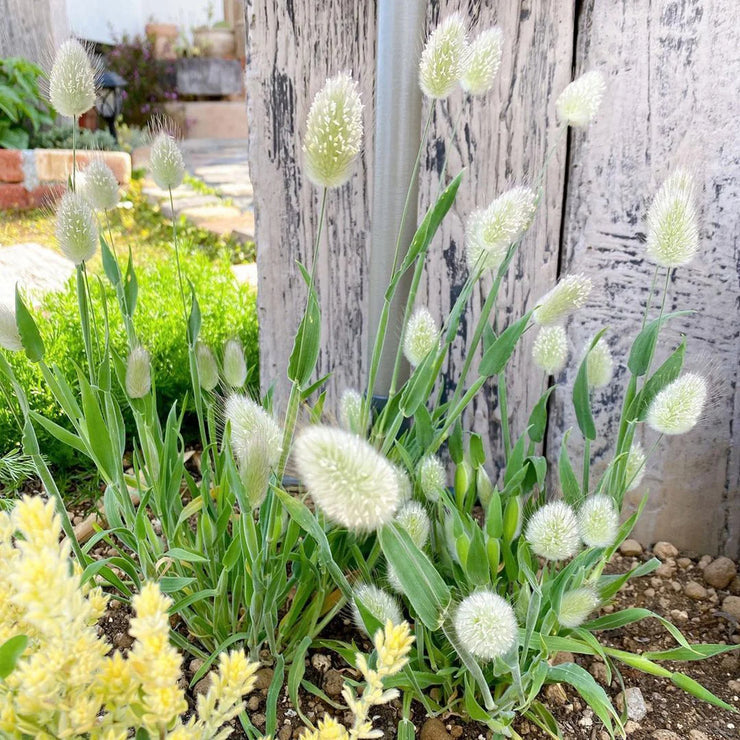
215	42
165	38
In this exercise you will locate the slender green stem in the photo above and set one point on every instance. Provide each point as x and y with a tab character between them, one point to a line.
586	466
660	316
82	304
177	256
650	297
504	411
74	153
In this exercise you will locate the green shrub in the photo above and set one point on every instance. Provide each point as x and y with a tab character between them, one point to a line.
228	311
60	137
22	108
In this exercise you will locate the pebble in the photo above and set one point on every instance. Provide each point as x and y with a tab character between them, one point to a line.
333	682
456	731
734	587
636	707
734	685
665	735
731	605
259	720
695	591
704	561
666	569
631	548
679	615
630	727
195	665
599	672
563	657
286	732
253	703
555	694
434	729
649	593
684	563
122	640
321	662
665	550
720	572
698	735
203	685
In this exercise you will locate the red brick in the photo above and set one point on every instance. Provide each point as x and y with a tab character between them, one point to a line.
45	195
13	196
11	165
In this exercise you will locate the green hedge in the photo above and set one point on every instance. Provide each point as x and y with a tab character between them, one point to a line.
228	308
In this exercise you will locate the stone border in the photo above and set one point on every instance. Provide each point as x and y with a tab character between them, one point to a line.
30	178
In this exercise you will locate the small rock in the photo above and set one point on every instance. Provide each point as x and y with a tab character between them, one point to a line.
698	735
599	672
630	727
456	731
649	593
664	550
679	615
122	640
263	678
555	694
333	682
734	685
731	605
666	569
203	685
563	657
434	729
695	591
665	735
321	662
631	548
636	707
684	563
253	703
720	572
259	720
704	561
285	733
195	665
734	587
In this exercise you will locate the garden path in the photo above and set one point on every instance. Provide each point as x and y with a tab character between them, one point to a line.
36	268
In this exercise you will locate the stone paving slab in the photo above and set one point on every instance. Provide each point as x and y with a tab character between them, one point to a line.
187	203
38	270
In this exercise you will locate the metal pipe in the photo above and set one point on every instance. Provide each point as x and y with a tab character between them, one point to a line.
397	133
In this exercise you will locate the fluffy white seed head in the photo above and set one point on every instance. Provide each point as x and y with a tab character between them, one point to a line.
672	228
77	231
598	521
576	605
570	294
350	411
421	336
405	487
444	59
256	440
382	605
600	365
413	517
677	408
72	80
490	231
347	478
98	186
483	61
635	467
550	349
432	477
9	337
486	625
552	531
138	373
333	132
165	161
207	367
579	102
235	366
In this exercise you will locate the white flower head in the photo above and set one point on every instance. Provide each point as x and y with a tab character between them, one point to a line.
483	61
550	349
578	104
10	339
552	531
348	479
600	365
413	517
444	58
235	366
333	132
432	477
489	232
98	185
672	228
486	625
72	80
350	411
576	605
256	441
165	161
421	336
138	373
598	521
678	407
77	231
635	467
382	605
207	367
405	487
570	294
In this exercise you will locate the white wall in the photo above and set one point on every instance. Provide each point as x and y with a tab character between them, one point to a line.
105	20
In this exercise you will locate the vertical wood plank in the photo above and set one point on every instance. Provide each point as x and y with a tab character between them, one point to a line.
502	140
672	68
297	44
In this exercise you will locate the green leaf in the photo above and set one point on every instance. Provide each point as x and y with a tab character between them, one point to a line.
696	689
29	333
171	584
665	374
644	344
416	390
695	652
420	581
568	481
194	320
498	354
582	395
307	341
130	285
188	556
538	418
10	653
273	694
110	265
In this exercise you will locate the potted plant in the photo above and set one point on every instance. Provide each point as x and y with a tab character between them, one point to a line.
215	39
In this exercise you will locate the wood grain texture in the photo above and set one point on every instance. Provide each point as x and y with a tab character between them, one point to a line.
296	46
672	68
32	28
502	141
